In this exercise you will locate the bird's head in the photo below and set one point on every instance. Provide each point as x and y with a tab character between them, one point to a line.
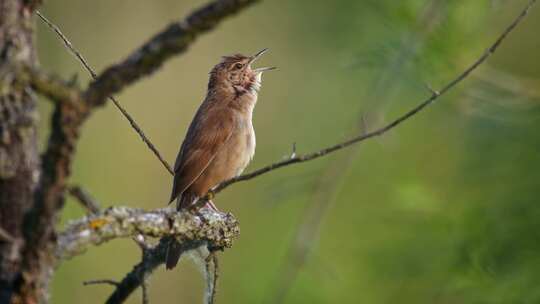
234	74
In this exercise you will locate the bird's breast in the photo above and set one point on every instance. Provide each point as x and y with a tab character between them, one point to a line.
244	145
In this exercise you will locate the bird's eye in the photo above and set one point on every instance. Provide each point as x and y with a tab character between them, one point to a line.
238	66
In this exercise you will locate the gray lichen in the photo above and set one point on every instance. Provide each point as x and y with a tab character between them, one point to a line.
218	229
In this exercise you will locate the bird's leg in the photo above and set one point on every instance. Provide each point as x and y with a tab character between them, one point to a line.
210	204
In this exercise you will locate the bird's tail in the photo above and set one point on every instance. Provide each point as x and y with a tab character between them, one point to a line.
174	249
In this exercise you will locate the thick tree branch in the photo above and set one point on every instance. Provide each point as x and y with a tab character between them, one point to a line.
218	229
173	40
378	132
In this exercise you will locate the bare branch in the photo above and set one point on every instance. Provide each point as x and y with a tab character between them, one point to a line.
173	40
87	66
378	132
85	199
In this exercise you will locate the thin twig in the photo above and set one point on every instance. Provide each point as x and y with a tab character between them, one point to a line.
90	70
144	287
212	274
378	132
216	276
85	199
95	282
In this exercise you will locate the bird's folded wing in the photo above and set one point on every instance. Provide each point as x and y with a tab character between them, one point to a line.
199	149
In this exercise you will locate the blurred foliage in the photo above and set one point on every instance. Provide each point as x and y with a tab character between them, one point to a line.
441	210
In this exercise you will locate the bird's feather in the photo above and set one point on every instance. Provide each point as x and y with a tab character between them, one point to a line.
210	130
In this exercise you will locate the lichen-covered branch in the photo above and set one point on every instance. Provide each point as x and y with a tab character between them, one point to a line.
218	229
173	40
208	229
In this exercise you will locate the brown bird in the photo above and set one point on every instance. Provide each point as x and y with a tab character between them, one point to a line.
220	141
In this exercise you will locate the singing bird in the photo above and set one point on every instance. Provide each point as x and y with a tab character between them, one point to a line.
220	142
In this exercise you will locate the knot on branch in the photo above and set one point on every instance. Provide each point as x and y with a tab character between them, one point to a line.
218	229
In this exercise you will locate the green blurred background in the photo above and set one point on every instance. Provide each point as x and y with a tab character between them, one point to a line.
443	209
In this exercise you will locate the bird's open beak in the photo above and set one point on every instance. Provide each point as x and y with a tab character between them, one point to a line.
257	56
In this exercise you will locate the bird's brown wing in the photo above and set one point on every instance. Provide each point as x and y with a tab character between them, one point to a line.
206	135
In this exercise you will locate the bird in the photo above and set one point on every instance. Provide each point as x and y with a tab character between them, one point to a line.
220	141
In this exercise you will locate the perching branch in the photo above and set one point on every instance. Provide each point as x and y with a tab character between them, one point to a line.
218	229
215	230
378	132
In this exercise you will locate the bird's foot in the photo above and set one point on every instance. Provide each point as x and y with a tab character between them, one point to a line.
210	204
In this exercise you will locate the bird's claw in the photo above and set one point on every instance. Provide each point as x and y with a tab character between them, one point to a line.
210	195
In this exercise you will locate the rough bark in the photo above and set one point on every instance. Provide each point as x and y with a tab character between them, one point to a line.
19	159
